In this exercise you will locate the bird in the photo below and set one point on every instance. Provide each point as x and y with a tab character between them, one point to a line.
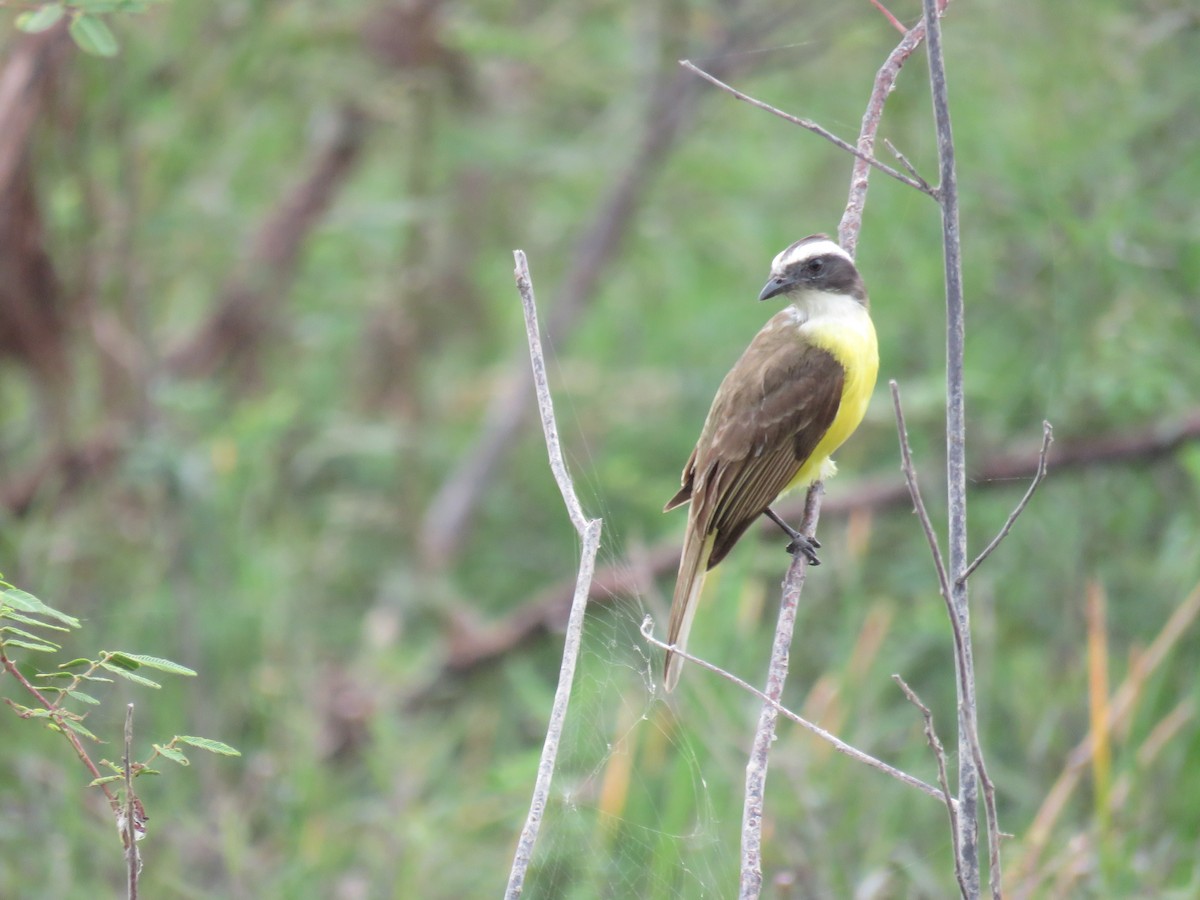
793	397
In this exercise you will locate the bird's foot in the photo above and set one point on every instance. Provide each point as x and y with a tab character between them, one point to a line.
807	546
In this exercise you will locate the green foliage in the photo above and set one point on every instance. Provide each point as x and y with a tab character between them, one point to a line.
267	535
53	691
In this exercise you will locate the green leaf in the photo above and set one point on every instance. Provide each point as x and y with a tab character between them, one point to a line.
172	754
75	663
208	744
60	675
38	20
130	676
93	36
122	660
29	620
26	602
12	629
29	645
163	665
97	678
79	729
105	779
83	698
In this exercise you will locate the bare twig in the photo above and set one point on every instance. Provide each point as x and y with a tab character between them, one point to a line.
589	531
764	734
887	14
885	81
914	490
1038	476
908	167
833	740
129	823
939	754
811	126
971	770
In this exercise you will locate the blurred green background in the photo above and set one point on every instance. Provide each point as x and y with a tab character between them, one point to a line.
257	301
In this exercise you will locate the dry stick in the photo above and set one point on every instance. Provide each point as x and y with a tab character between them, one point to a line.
814	128
963	688
914	491
129	832
589	531
833	740
750	881
1038	477
971	770
885	81
939	754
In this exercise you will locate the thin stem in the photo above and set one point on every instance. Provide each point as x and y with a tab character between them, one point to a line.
811	126
589	531
939	754
914	491
1038	477
970	754
129	829
833	740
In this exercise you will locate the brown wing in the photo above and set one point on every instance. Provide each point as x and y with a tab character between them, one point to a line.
770	413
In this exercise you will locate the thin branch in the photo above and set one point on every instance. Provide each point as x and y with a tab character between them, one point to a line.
885	81
764	734
130	820
833	740
589	531
57	715
887	14
914	491
1038	477
545	403
971	770
811	126
908	167
939	754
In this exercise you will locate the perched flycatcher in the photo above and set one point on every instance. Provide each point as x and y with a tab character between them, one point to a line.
796	394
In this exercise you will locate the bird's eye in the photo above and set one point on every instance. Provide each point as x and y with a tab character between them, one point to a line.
815	266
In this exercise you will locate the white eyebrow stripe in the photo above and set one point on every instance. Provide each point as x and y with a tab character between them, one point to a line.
808	250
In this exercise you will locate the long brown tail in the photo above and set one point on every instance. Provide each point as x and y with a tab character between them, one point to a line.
693	565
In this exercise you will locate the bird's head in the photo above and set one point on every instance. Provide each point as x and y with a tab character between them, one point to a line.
815	264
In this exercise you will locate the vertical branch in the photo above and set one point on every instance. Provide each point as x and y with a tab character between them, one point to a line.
764	734
589	532
971	770
129	820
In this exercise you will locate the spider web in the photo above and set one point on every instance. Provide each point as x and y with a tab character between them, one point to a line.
630	812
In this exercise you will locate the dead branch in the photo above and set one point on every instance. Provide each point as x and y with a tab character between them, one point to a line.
589	533
245	317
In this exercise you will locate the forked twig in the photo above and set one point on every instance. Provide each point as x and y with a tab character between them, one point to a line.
939	754
914	491
812	126
589	531
1038	477
833	740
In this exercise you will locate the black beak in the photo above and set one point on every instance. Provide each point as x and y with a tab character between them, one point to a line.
776	286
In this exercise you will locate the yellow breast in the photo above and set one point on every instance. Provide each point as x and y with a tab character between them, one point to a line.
843	327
